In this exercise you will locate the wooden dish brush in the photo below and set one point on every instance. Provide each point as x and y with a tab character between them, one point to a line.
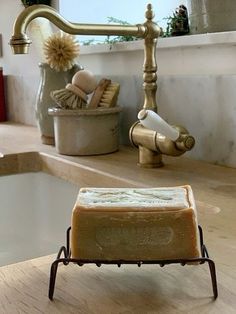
74	95
105	94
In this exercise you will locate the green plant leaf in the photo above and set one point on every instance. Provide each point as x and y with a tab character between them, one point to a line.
28	3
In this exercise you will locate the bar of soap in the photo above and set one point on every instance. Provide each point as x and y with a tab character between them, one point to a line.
135	224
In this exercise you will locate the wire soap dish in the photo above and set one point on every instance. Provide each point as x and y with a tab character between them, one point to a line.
66	251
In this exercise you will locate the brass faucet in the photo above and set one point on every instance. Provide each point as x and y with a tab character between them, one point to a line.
152	144
150	150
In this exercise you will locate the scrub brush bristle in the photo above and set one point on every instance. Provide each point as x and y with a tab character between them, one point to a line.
74	95
110	95
61	51
66	99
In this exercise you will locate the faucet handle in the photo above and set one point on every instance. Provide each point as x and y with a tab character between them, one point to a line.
185	141
151	120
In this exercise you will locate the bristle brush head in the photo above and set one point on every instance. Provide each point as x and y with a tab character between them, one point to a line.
110	95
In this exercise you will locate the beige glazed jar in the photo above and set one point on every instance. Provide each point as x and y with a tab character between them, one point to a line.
50	80
209	16
86	131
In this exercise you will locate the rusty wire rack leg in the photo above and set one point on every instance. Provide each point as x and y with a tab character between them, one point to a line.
212	268
210	262
67	259
53	274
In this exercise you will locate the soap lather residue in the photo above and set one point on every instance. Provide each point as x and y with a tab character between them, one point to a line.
158	197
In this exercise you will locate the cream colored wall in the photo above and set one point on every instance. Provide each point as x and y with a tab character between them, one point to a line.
14	64
21	70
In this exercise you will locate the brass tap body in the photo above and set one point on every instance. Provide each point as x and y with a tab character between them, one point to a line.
152	145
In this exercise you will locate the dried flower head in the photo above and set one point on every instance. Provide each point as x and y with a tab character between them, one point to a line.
60	51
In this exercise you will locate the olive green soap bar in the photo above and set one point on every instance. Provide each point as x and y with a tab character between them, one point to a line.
135	224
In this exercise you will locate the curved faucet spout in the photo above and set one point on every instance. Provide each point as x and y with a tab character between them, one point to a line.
20	41
151	145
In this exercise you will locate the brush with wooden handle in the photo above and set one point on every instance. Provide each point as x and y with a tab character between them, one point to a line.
97	95
105	94
110	95
74	95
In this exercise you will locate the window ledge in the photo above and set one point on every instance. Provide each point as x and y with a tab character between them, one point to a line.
188	41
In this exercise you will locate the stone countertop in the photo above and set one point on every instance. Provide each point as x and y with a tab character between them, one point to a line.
214	189
21	151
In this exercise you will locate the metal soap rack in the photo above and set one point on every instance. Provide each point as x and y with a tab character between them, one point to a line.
66	251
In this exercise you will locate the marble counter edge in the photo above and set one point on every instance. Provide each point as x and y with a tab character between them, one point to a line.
187	41
71	171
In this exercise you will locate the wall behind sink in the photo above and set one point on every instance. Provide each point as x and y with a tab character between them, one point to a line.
21	71
196	84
